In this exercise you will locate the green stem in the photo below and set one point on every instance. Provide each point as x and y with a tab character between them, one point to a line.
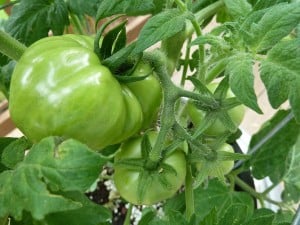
186	62
10	46
128	215
205	13
201	53
216	70
260	196
181	5
77	23
269	189
249	189
189	194
170	95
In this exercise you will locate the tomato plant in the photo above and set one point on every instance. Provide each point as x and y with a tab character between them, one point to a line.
159	89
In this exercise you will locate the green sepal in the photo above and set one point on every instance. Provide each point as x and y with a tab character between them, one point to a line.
113	41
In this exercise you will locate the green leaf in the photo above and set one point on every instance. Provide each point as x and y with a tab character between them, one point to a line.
5	77
262	4
89	214
292	175
217	195
241	79
270	159
4	142
32	20
261	216
81	7
160	27
210	219
49	166
275	24
128	7
280	73
113	41
238	9
119	58
283	218
236	214
15	152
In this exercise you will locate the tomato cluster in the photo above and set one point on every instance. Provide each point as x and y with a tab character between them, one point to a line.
60	88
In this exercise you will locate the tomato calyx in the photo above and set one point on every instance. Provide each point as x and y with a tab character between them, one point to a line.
221	113
150	173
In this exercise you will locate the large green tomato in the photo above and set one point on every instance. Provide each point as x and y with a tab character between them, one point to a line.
196	115
127	179
215	168
59	87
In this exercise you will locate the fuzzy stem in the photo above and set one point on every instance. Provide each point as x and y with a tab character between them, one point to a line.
170	95
186	63
10	46
181	5
204	14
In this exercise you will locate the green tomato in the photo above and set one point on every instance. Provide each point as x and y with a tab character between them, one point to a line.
60	88
127	179
196	115
215	168
148	93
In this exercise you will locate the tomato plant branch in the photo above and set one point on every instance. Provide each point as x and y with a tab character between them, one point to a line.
10	46
128	215
205	13
186	62
260	196
249	189
171	93
181	5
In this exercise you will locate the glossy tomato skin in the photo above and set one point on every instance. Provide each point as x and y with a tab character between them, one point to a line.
126	179
216	167
59	87
217	128
148	92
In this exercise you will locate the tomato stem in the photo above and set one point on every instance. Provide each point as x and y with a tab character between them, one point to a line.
10	46
205	13
170	95
128	215
189	194
186	62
